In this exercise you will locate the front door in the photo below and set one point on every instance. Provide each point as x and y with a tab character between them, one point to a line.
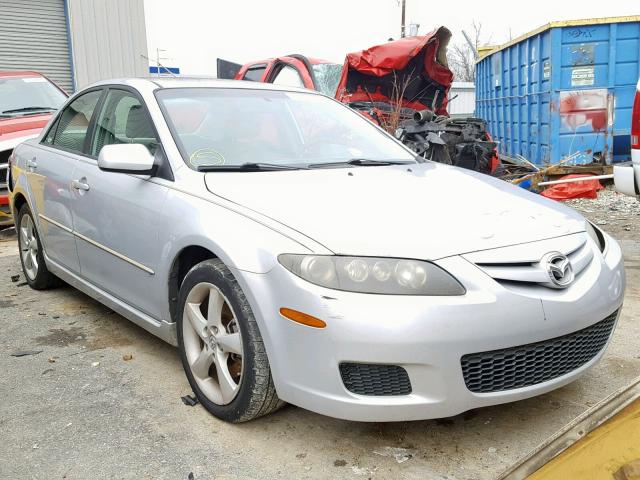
117	215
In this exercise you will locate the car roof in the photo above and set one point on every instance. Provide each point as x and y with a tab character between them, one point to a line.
196	82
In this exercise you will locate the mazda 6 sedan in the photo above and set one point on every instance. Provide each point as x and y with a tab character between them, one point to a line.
294	252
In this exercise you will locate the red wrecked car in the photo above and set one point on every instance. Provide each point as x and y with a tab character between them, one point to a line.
27	101
402	85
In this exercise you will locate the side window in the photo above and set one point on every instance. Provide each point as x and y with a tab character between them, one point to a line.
254	73
123	119
73	123
288	76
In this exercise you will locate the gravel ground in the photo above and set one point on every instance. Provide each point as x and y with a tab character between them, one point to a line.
616	213
101	400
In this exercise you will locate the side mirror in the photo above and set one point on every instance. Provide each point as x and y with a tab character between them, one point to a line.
127	158
627	179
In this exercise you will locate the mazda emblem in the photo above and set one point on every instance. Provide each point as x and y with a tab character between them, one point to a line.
559	269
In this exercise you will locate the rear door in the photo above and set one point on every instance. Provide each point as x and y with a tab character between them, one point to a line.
118	216
50	169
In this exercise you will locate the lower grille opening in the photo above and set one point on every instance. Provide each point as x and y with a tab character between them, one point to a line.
375	380
535	363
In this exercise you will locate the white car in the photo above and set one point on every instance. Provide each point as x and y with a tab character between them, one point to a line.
294	252
627	177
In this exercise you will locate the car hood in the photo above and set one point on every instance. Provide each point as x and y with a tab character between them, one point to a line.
415	66
425	211
22	126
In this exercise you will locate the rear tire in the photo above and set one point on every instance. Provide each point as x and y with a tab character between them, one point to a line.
34	267
221	347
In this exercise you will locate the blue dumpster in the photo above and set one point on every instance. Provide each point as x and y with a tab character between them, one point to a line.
565	89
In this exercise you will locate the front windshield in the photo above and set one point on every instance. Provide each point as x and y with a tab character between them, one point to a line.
327	77
28	95
231	127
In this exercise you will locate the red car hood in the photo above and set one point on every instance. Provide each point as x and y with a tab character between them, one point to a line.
23	126
417	66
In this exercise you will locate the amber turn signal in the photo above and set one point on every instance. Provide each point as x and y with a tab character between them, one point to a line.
302	318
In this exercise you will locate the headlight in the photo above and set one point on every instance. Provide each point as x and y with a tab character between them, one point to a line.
387	276
597	236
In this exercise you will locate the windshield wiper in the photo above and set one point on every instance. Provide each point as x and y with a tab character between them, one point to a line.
248	167
30	109
360	162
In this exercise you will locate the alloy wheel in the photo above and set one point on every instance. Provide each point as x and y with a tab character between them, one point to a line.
213	343
29	247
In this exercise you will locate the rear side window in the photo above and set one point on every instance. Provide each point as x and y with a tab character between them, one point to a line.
71	130
123	119
255	73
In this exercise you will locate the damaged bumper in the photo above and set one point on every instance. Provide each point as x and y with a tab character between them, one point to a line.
427	338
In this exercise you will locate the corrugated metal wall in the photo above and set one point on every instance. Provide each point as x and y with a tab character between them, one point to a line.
109	39
462	99
33	36
566	89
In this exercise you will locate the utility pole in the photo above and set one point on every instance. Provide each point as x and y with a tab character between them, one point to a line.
402	29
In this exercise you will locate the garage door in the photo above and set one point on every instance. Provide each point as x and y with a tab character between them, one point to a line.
33	36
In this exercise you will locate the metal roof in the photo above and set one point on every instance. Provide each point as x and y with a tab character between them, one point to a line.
564	23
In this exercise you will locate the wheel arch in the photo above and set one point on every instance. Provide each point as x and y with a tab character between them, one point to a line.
19	199
186	259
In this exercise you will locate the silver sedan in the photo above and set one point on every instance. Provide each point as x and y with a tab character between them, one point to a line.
294	252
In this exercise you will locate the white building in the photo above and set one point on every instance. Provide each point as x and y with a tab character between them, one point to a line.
462	99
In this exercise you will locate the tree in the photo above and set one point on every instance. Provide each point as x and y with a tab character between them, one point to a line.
462	58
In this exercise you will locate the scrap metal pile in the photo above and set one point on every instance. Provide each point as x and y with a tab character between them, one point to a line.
404	86
462	142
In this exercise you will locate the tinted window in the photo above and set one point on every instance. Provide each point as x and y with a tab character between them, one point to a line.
74	122
123	119
288	76
254	73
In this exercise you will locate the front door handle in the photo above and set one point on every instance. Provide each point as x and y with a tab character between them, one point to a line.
80	185
32	164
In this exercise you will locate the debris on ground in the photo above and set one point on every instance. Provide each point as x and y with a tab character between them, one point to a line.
7	233
126	357
401	455
25	353
95	364
15	278
189	400
616	212
567	191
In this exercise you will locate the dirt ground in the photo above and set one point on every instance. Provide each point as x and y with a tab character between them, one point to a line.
74	408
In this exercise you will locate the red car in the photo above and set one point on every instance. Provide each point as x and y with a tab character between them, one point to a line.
27	101
294	71
390	83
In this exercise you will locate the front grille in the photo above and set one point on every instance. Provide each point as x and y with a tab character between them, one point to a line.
4	159
534	363
376	380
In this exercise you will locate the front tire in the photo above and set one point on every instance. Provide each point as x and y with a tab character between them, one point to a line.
221	347
34	267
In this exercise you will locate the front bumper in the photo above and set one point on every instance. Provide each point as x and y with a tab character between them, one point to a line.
427	336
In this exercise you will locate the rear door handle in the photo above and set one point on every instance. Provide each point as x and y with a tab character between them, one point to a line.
32	164
80	185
